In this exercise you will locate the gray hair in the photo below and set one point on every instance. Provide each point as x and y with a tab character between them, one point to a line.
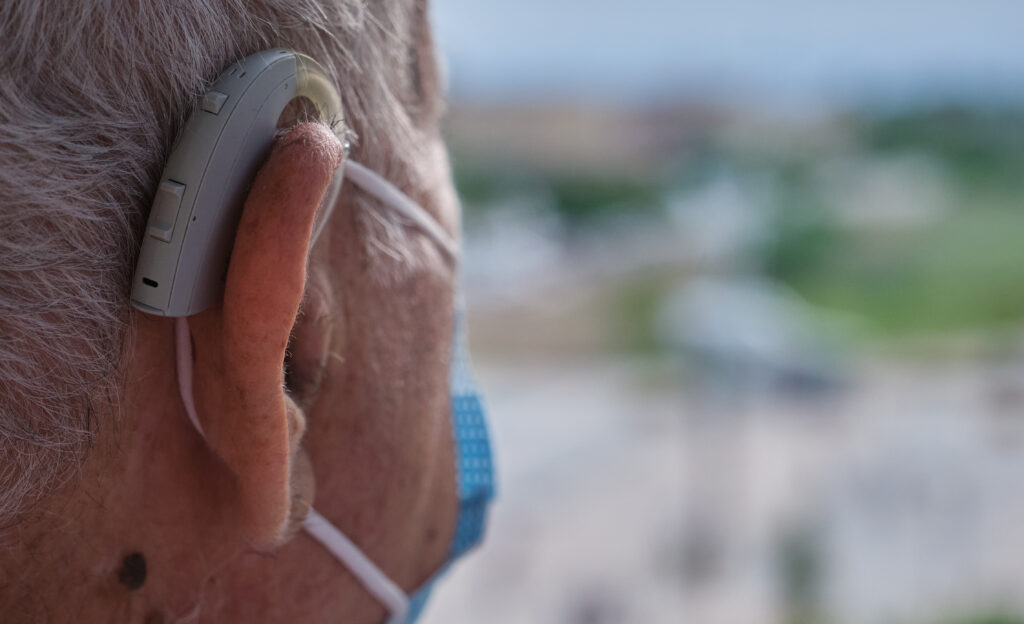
91	96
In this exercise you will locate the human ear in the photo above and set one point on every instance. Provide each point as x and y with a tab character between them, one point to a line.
248	419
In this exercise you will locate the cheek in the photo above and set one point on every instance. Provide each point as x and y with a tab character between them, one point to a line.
443	195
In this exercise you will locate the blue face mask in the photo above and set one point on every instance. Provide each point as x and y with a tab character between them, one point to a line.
474	468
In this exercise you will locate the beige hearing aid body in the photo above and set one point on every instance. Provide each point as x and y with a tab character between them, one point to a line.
192	222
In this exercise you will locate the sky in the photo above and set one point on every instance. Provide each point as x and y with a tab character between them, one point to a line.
641	50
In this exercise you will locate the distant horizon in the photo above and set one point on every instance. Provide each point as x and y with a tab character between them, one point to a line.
791	53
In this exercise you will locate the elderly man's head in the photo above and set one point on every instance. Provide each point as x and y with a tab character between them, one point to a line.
113	508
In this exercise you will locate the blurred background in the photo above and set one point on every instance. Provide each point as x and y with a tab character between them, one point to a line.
744	282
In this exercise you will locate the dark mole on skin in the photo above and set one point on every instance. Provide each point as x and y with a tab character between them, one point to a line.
133	571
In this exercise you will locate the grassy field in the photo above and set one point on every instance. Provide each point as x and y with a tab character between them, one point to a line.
962	272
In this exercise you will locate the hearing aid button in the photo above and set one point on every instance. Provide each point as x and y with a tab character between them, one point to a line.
213	101
165	210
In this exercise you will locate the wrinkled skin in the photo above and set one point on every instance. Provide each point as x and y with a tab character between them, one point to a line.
361	432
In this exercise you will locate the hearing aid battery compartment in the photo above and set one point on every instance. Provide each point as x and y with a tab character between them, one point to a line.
165	210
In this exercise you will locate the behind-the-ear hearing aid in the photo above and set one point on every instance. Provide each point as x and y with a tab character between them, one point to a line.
198	204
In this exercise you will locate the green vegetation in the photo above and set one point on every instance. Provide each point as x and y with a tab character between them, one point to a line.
962	272
960	268
800	562
983	149
578	199
633	308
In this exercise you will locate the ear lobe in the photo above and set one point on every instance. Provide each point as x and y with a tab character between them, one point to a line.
240	345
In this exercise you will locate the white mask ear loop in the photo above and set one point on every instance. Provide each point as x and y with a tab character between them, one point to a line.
372	577
389	195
